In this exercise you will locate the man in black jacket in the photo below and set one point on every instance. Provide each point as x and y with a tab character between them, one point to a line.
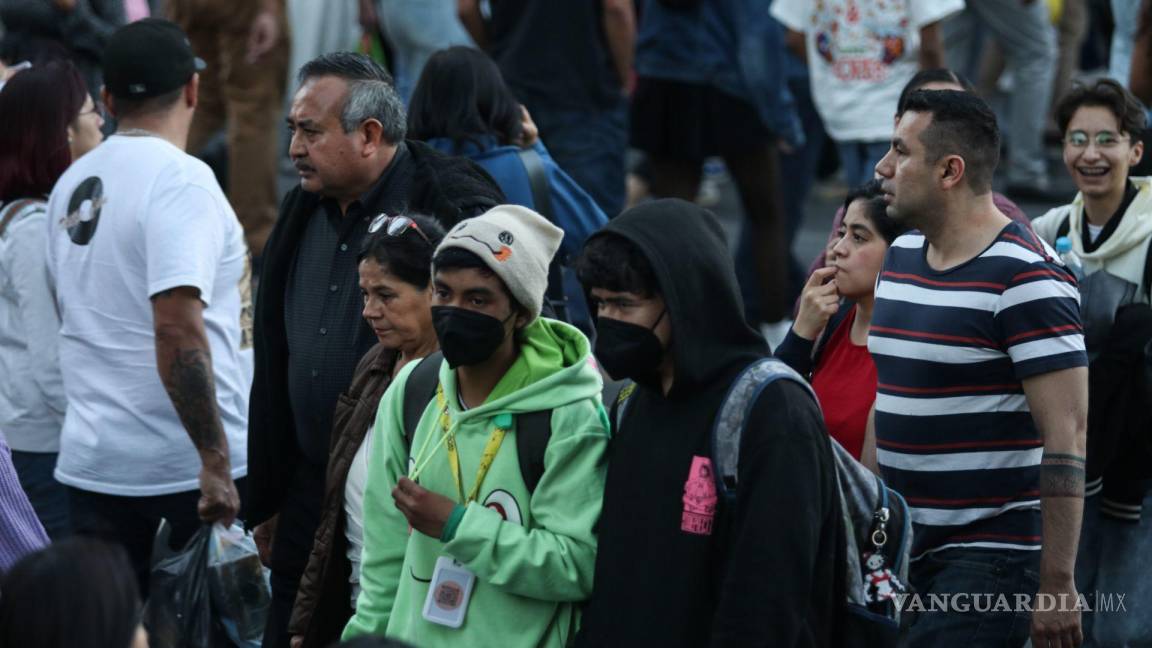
677	565
348	128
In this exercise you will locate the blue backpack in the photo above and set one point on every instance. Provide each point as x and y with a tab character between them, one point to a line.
876	519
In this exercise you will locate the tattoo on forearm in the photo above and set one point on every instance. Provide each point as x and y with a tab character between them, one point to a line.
193	393
1061	475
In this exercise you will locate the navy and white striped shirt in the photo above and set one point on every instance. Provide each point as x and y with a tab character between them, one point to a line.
954	434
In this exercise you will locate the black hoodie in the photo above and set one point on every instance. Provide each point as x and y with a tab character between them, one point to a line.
769	573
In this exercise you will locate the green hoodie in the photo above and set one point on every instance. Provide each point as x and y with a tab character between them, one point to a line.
533	563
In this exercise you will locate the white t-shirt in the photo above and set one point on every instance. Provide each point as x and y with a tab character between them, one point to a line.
1094	232
861	53
134	217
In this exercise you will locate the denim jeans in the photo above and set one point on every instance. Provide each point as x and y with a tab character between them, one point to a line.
417	29
1116	558
970	572
49	498
590	147
1126	17
1028	40
858	160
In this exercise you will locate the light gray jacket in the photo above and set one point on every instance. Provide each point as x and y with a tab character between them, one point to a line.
32	401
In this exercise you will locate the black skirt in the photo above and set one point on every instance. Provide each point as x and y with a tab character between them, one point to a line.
693	121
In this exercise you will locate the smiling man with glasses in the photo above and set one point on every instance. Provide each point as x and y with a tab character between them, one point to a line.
1109	228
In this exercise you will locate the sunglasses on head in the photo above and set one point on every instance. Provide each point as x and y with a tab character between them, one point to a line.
396	226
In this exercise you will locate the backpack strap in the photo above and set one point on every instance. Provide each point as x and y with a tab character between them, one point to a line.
12	210
616	400
728	427
1146	281
542	201
533	429
533	432
418	392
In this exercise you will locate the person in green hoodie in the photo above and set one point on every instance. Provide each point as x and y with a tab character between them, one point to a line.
457	550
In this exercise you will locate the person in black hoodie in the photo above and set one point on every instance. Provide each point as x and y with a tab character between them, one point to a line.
677	566
348	144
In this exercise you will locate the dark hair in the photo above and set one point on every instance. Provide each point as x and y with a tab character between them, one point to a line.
407	256
127	107
1104	93
462	96
17	47
962	124
612	262
876	209
76	592
924	77
371	94
455	258
36	107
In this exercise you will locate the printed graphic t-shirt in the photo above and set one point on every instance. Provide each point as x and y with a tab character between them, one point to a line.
133	218
861	53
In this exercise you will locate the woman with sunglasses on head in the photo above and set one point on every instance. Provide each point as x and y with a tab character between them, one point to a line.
47	120
395	280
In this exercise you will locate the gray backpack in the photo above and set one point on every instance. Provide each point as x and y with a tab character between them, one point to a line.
876	518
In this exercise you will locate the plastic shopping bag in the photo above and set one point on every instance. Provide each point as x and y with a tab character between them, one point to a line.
179	609
239	585
213	594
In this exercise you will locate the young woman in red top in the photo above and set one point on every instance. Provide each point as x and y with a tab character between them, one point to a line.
828	342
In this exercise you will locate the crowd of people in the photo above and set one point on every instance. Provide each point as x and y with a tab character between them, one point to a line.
464	389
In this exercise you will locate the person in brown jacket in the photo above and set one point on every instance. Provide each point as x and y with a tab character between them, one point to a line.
395	275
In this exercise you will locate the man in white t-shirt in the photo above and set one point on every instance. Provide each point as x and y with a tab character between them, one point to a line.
860	54
152	284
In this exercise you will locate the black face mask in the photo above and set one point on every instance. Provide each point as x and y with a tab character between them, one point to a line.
467	337
629	350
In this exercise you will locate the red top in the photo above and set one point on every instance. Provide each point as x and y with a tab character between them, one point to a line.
845	382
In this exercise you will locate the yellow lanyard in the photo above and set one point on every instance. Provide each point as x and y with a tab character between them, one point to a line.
448	436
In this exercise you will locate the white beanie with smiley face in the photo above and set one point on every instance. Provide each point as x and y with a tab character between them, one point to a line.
517	244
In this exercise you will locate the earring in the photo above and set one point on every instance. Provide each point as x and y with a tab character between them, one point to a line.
69	139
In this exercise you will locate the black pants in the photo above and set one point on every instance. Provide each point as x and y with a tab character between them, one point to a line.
291	546
132	522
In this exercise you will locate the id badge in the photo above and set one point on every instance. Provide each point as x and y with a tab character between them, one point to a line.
449	593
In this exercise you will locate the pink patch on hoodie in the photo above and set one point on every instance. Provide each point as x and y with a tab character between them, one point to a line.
699	498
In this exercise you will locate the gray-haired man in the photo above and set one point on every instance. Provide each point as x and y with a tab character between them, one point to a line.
348	127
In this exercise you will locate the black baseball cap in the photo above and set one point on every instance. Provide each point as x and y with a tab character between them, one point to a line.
147	58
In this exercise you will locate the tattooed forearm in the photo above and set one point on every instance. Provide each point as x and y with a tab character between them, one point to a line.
1061	475
193	392
184	361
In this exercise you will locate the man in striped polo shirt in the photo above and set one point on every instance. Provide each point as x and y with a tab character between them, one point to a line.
981	406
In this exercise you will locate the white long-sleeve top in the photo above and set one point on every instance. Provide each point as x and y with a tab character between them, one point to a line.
32	401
